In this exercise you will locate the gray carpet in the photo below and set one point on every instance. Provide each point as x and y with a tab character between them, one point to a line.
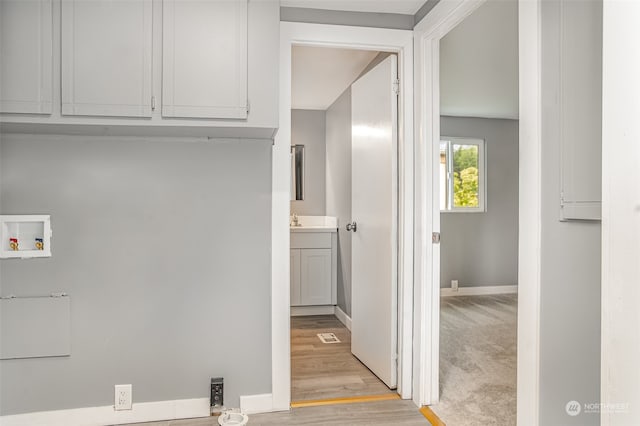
478	360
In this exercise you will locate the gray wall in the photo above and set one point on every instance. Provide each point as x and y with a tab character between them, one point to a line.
342	17
381	56
339	188
308	129
163	246
424	10
571	260
362	19
481	249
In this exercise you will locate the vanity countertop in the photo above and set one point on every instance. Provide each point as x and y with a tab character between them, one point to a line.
315	224
313	229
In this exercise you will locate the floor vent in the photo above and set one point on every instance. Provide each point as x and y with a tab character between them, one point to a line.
328	338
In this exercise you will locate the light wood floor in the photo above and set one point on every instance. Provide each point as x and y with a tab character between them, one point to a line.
320	370
383	413
399	412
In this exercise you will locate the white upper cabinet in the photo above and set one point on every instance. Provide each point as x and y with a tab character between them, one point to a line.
189	68
579	67
26	52
107	57
204	59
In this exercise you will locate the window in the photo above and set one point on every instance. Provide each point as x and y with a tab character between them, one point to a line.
462	175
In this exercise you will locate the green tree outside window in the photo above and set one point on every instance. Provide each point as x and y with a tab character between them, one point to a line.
465	176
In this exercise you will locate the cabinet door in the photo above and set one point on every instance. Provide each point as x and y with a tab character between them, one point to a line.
107	57
315	276
204	59
26	51
294	266
580	86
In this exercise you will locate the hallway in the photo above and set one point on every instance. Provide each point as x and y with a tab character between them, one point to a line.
327	370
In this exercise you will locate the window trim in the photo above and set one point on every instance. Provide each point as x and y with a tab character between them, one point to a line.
482	173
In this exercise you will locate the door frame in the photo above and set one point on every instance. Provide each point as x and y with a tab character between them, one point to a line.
428	32
399	42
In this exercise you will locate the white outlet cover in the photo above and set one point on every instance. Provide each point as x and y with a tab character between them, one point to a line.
123	397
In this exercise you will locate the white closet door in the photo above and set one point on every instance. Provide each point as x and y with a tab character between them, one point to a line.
26	51
107	57
204	59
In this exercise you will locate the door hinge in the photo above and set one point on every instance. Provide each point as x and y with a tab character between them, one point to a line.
435	238
153	103
248	106
396	86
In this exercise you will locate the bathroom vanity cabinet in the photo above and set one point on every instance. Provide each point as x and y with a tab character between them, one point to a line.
313	266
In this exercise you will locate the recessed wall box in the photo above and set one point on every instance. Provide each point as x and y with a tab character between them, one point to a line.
217	392
25	236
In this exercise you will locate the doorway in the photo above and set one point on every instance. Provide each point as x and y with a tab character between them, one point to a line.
478	183
344	157
430	33
400	43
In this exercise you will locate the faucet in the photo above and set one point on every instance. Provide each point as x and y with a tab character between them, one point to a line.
294	221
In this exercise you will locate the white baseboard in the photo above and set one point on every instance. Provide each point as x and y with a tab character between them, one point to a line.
301	311
106	415
344	318
478	291
252	404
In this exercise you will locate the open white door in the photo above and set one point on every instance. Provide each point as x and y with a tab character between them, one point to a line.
374	165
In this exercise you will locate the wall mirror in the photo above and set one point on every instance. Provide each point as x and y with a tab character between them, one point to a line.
297	172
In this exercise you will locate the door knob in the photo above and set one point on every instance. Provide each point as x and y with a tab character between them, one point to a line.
352	226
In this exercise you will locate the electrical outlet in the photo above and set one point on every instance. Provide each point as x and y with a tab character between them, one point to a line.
454	285
217	392
123	397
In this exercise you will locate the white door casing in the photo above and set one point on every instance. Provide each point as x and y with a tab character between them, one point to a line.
374	301
426	350
378	39
428	32
620	213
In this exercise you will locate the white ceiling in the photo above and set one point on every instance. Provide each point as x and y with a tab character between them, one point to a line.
478	69
319	75
406	7
479	63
